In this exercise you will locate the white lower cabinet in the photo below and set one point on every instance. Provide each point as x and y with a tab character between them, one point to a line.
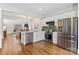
28	37
42	35
54	35
37	36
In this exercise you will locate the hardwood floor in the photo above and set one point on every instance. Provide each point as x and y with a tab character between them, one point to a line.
12	46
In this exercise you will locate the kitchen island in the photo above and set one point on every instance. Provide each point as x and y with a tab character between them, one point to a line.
26	37
31	37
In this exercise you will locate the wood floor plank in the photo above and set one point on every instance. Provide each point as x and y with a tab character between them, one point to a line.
12	46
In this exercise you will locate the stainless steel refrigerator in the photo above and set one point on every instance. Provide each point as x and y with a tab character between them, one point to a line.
68	33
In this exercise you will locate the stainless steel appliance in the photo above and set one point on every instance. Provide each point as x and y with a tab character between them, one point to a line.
48	36
68	33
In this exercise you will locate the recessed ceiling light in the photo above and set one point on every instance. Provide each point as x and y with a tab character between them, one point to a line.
40	9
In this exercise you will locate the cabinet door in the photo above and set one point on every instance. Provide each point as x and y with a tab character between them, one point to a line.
36	36
75	33
30	37
68	43
42	35
54	37
22	37
61	41
67	26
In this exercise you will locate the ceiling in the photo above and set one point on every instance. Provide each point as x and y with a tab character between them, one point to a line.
35	9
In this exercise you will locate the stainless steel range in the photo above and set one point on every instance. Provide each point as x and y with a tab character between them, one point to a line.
48	37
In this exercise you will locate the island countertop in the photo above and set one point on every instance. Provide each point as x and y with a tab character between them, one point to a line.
26	31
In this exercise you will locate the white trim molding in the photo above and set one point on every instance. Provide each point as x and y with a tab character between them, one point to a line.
1	28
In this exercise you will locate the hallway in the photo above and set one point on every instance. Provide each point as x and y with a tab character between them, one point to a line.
12	46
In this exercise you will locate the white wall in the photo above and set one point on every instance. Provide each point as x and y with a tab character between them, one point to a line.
11	22
1	31
34	22
31	21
